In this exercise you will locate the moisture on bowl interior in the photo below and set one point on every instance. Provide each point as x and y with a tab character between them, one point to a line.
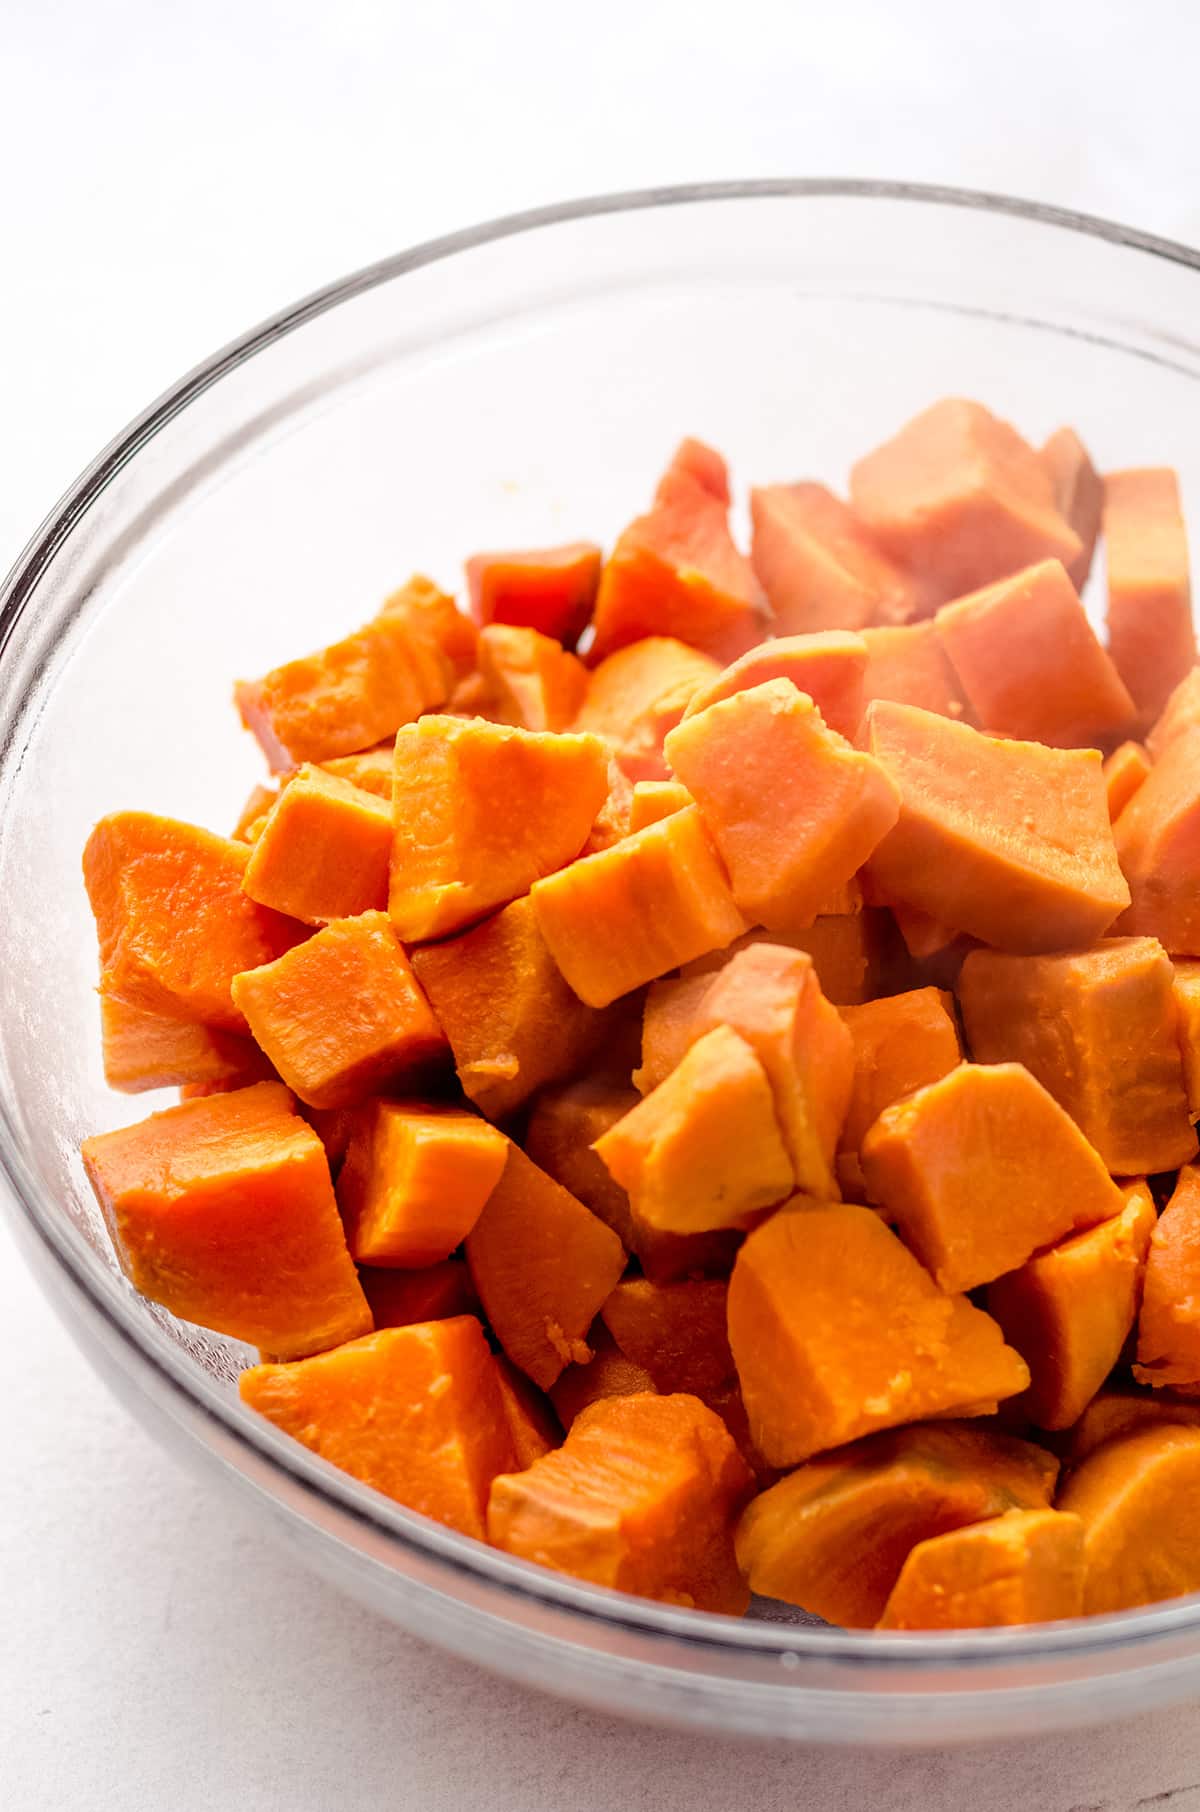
689	1071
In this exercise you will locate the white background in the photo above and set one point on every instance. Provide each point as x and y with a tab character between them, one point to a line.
168	174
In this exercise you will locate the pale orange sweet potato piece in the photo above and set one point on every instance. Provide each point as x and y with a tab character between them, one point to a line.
959	499
1006	840
670	1025
1150	633
1124	771
415	1412
513	1023
222	1210
259	801
323	850
551	589
435	623
1123	1409
1186	988
676	1332
436	1293
342	1015
653	800
641	1497
1023	1567
1138	1497
608	1373
834	1535
622	917
899	1044
1181	712
1168	1349
531	680
144	1050
908	665
1100	1030
819	567
1030	662
704	1149
639	693
481	811
794	810
542	1264
372	770
1068	1310
1158	842
982	1169
837	1331
850	952
415	1180
614	820
532	1422
1078	495
828	665
172	922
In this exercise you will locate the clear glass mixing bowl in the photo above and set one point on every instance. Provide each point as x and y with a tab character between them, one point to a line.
521	383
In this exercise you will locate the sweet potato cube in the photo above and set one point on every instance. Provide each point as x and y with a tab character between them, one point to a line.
1168	1349
1181	712
513	1023
1124	771
1150	633
676	571
481	811
628	914
543	1264
827	665
1123	1409
899	1044
670	1024
793	809
341	1016
834	1535
1186	987
1138	1498
704	1150
819	567
641	1497
1078	495
959	499
640	693
982	1169
654	800
435	1293
222	1210
1068	1311
1158	843
435	623
907	665
144	1050
415	1180
676	1332
173	924
1023	1567
608	1373
416	1412
837	1331
1008	841
531	680
1030	662
371	771
1100	1030
550	589
323	850
532	1421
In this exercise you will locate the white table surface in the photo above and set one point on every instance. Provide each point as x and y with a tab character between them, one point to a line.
168	174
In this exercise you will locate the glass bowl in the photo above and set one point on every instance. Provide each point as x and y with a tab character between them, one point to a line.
521	383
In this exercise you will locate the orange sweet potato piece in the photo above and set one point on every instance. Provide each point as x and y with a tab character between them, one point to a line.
982	1169
513	1023
334	1126
608	1373
531	680
415	1180
1030	662
342	1015
641	1497
1100	1030
653	800
670	1025
676	571
1123	1409
481	811
1124	771
259	801
371	771
1068	1311
828	665
222	1210
837	1331
436	1293
435	623
704	1149
1168	1349
551	590
144	1050
1181	712
676	1332
1150	633
959	499
899	1044
849	951
173	924
639	693
1138	1497
1078	495
1186	988
793	809
1023	1567
628	914
415	1412
542	1264
1008	841
834	1535
614	820
532	1422
907	665
323	850
1158	843
819	567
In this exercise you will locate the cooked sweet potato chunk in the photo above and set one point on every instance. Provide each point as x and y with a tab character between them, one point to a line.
144	1050
907	665
1158	845
1078	495
323	850
640	693
415	1180
654	800
1023	1567
435	1293
819	567
551	590
1150	633
1168	1349
531	681
900	1043
828	666
1138	1497
1123	1409
1124	771
608	1373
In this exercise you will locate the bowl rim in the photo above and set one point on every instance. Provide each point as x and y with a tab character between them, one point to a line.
895	1653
